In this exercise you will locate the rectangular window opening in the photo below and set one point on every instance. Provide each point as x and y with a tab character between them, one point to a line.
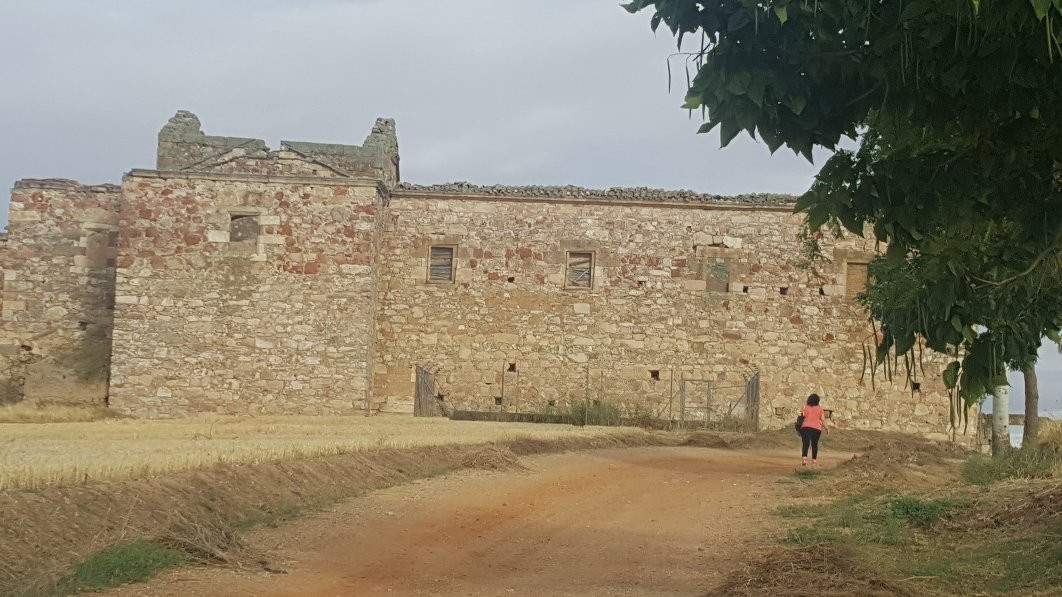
654	374
441	265
580	270
856	280
243	228
512	367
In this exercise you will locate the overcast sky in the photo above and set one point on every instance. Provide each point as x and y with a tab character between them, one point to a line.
486	91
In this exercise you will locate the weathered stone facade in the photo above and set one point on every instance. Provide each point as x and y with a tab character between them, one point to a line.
56	313
309	280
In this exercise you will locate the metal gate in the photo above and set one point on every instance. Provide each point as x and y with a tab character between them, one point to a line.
702	401
426	395
752	401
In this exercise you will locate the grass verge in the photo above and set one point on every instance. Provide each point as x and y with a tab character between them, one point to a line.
894	542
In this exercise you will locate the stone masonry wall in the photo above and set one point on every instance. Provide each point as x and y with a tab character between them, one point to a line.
56	311
700	290
244	294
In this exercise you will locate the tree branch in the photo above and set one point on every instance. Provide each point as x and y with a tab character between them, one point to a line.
1032	267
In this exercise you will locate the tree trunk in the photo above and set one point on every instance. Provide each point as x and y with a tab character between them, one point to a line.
1031	437
1001	421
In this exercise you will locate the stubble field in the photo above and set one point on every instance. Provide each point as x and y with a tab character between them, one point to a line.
43	454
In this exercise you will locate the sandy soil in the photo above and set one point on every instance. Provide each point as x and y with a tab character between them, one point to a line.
640	521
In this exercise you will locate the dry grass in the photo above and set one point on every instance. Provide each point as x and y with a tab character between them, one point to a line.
34	455
1051	435
24	412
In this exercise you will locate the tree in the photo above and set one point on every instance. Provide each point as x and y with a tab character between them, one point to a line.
1031	435
958	110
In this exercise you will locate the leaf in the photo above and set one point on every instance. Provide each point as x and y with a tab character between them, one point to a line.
1040	7
772	140
805	201
956	323
727	133
951	374
1054	336
782	12
797	103
707	127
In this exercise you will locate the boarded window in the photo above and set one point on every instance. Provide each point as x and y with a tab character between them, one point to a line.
580	270
441	264
856	281
718	277
243	229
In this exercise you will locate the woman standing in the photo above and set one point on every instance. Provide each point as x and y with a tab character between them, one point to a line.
811	429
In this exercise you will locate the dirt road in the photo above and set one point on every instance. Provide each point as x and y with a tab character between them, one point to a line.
645	521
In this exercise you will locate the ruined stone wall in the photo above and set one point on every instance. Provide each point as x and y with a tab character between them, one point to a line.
184	147
683	287
244	294
58	289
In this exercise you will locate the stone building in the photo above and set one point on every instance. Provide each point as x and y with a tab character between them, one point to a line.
308	279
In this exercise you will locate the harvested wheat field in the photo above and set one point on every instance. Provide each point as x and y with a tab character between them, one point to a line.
39	454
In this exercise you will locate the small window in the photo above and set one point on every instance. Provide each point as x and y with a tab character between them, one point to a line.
580	270
654	374
441	265
243	228
856	280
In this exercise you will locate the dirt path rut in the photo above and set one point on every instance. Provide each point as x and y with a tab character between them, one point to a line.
645	521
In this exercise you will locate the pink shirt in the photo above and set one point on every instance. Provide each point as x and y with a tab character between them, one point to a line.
812	417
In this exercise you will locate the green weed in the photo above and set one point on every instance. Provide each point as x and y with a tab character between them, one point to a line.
132	562
919	511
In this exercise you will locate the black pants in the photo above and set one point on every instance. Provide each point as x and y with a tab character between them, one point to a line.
810	437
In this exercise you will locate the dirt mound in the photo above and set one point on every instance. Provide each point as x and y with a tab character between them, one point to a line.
493	458
813	570
1012	504
742	441
890	461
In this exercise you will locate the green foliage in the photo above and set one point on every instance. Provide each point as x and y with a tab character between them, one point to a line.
1014	464
958	109
918	511
895	537
994	565
856	520
132	562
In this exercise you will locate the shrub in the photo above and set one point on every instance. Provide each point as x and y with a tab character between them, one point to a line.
594	412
